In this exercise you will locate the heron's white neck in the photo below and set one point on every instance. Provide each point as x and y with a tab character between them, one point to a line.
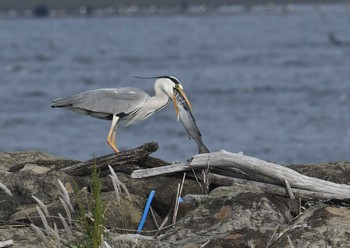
158	101
151	105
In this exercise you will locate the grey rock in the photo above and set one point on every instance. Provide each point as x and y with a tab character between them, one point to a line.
23	236
236	216
319	226
15	161
229	215
24	184
164	186
337	172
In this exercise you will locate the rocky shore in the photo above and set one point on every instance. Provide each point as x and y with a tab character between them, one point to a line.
232	216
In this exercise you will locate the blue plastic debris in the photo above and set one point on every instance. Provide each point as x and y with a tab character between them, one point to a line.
145	211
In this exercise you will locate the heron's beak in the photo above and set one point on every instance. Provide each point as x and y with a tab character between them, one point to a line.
175	105
182	93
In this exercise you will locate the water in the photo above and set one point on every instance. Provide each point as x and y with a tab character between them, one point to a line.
268	84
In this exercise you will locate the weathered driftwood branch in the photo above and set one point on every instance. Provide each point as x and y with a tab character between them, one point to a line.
274	172
164	170
269	176
133	156
274	189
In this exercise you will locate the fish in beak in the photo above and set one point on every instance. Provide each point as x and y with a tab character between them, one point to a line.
181	92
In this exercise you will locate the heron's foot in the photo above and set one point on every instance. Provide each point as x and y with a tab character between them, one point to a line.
115	149
113	146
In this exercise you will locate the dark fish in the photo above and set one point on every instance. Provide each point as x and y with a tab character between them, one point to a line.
188	121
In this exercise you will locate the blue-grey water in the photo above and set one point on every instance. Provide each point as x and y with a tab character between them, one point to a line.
269	84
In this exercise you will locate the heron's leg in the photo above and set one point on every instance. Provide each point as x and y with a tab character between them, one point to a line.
112	134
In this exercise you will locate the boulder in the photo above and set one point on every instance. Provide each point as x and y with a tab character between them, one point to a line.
337	172
28	174
15	161
25	184
243	216
319	226
23	236
236	216
165	187
229	217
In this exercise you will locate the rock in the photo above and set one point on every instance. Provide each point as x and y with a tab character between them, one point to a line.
241	216
23	236
121	217
165	187
127	215
32	173
228	216
319	226
36	169
15	161
337	172
24	184
236	216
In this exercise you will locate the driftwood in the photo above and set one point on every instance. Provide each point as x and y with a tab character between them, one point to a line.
273	189
225	169
124	158
257	168
273	178
164	170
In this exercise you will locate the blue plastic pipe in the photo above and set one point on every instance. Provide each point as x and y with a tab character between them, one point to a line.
145	211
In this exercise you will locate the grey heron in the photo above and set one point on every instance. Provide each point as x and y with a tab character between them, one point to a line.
128	105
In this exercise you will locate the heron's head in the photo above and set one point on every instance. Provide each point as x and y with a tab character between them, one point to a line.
168	84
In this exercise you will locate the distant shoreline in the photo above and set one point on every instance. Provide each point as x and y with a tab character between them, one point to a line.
41	8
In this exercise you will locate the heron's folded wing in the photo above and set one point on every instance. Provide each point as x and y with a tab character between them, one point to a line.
106	101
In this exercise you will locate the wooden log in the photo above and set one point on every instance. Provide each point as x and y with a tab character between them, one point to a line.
269	176
133	156
273	172
164	170
275	189
148	162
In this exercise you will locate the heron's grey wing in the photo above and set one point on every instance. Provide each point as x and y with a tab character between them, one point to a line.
103	103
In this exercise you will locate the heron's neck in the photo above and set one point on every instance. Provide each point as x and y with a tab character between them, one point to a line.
159	100
151	105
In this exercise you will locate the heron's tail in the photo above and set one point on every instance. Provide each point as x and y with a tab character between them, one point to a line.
61	102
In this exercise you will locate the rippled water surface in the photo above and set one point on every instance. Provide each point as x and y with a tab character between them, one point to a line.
269	84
